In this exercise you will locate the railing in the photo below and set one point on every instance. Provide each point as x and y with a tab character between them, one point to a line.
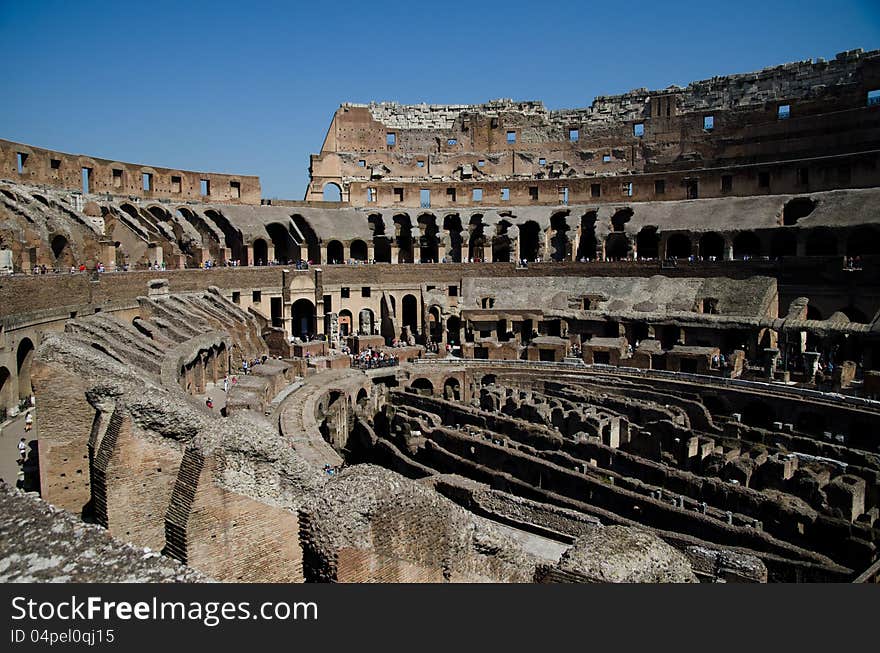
669	376
372	364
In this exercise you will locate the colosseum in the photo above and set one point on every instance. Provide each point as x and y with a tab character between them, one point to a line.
632	342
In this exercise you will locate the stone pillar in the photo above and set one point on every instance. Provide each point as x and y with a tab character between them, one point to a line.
199	374
108	256
728	249
249	253
395	253
464	252
371	252
771	357
324	254
270	254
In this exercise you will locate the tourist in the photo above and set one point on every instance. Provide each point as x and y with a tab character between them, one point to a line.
209	403
28	422
22	451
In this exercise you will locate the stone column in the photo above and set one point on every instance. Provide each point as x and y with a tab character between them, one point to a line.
811	365
270	254
395	253
249	253
771	357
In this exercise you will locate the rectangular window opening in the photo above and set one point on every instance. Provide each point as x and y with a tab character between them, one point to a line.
481	163
390	138
236	298
147	179
86	180
176	184
55	164
639	129
205	187
345	292
803	176
763	180
493	123
533	193
505	194
563	194
595	190
420	163
425	198
362	163
235	189
21	161
784	111
257	296
542	161
452	141
450	194
453	291
573	135
627	189
511	137
398	194
606	158
708	123
659	187
371	194
478	195
693	188
726	183
365	291
874	98
117	178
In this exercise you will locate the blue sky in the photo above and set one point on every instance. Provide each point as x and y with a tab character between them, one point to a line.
250	87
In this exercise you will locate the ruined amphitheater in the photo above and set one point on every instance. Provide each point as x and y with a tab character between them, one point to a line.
633	342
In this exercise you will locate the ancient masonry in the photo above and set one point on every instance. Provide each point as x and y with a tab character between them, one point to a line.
636	342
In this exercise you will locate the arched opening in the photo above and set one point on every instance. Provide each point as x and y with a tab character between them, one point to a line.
620	218
453	330
261	252
231	235
59	246
712	246
366	322
422	386
476	239
783	243
344	321
587	243
209	236
410	315
381	243
6	398
488	379
302	315
863	241
335	252
283	243
648	243
452	226
560	242
758	413
403	227
854	314
358	250
452	389
746	245
529	241
303	234
362	398
332	192
501	243
678	246
435	327
428	243
821	242
24	356
797	208
616	247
